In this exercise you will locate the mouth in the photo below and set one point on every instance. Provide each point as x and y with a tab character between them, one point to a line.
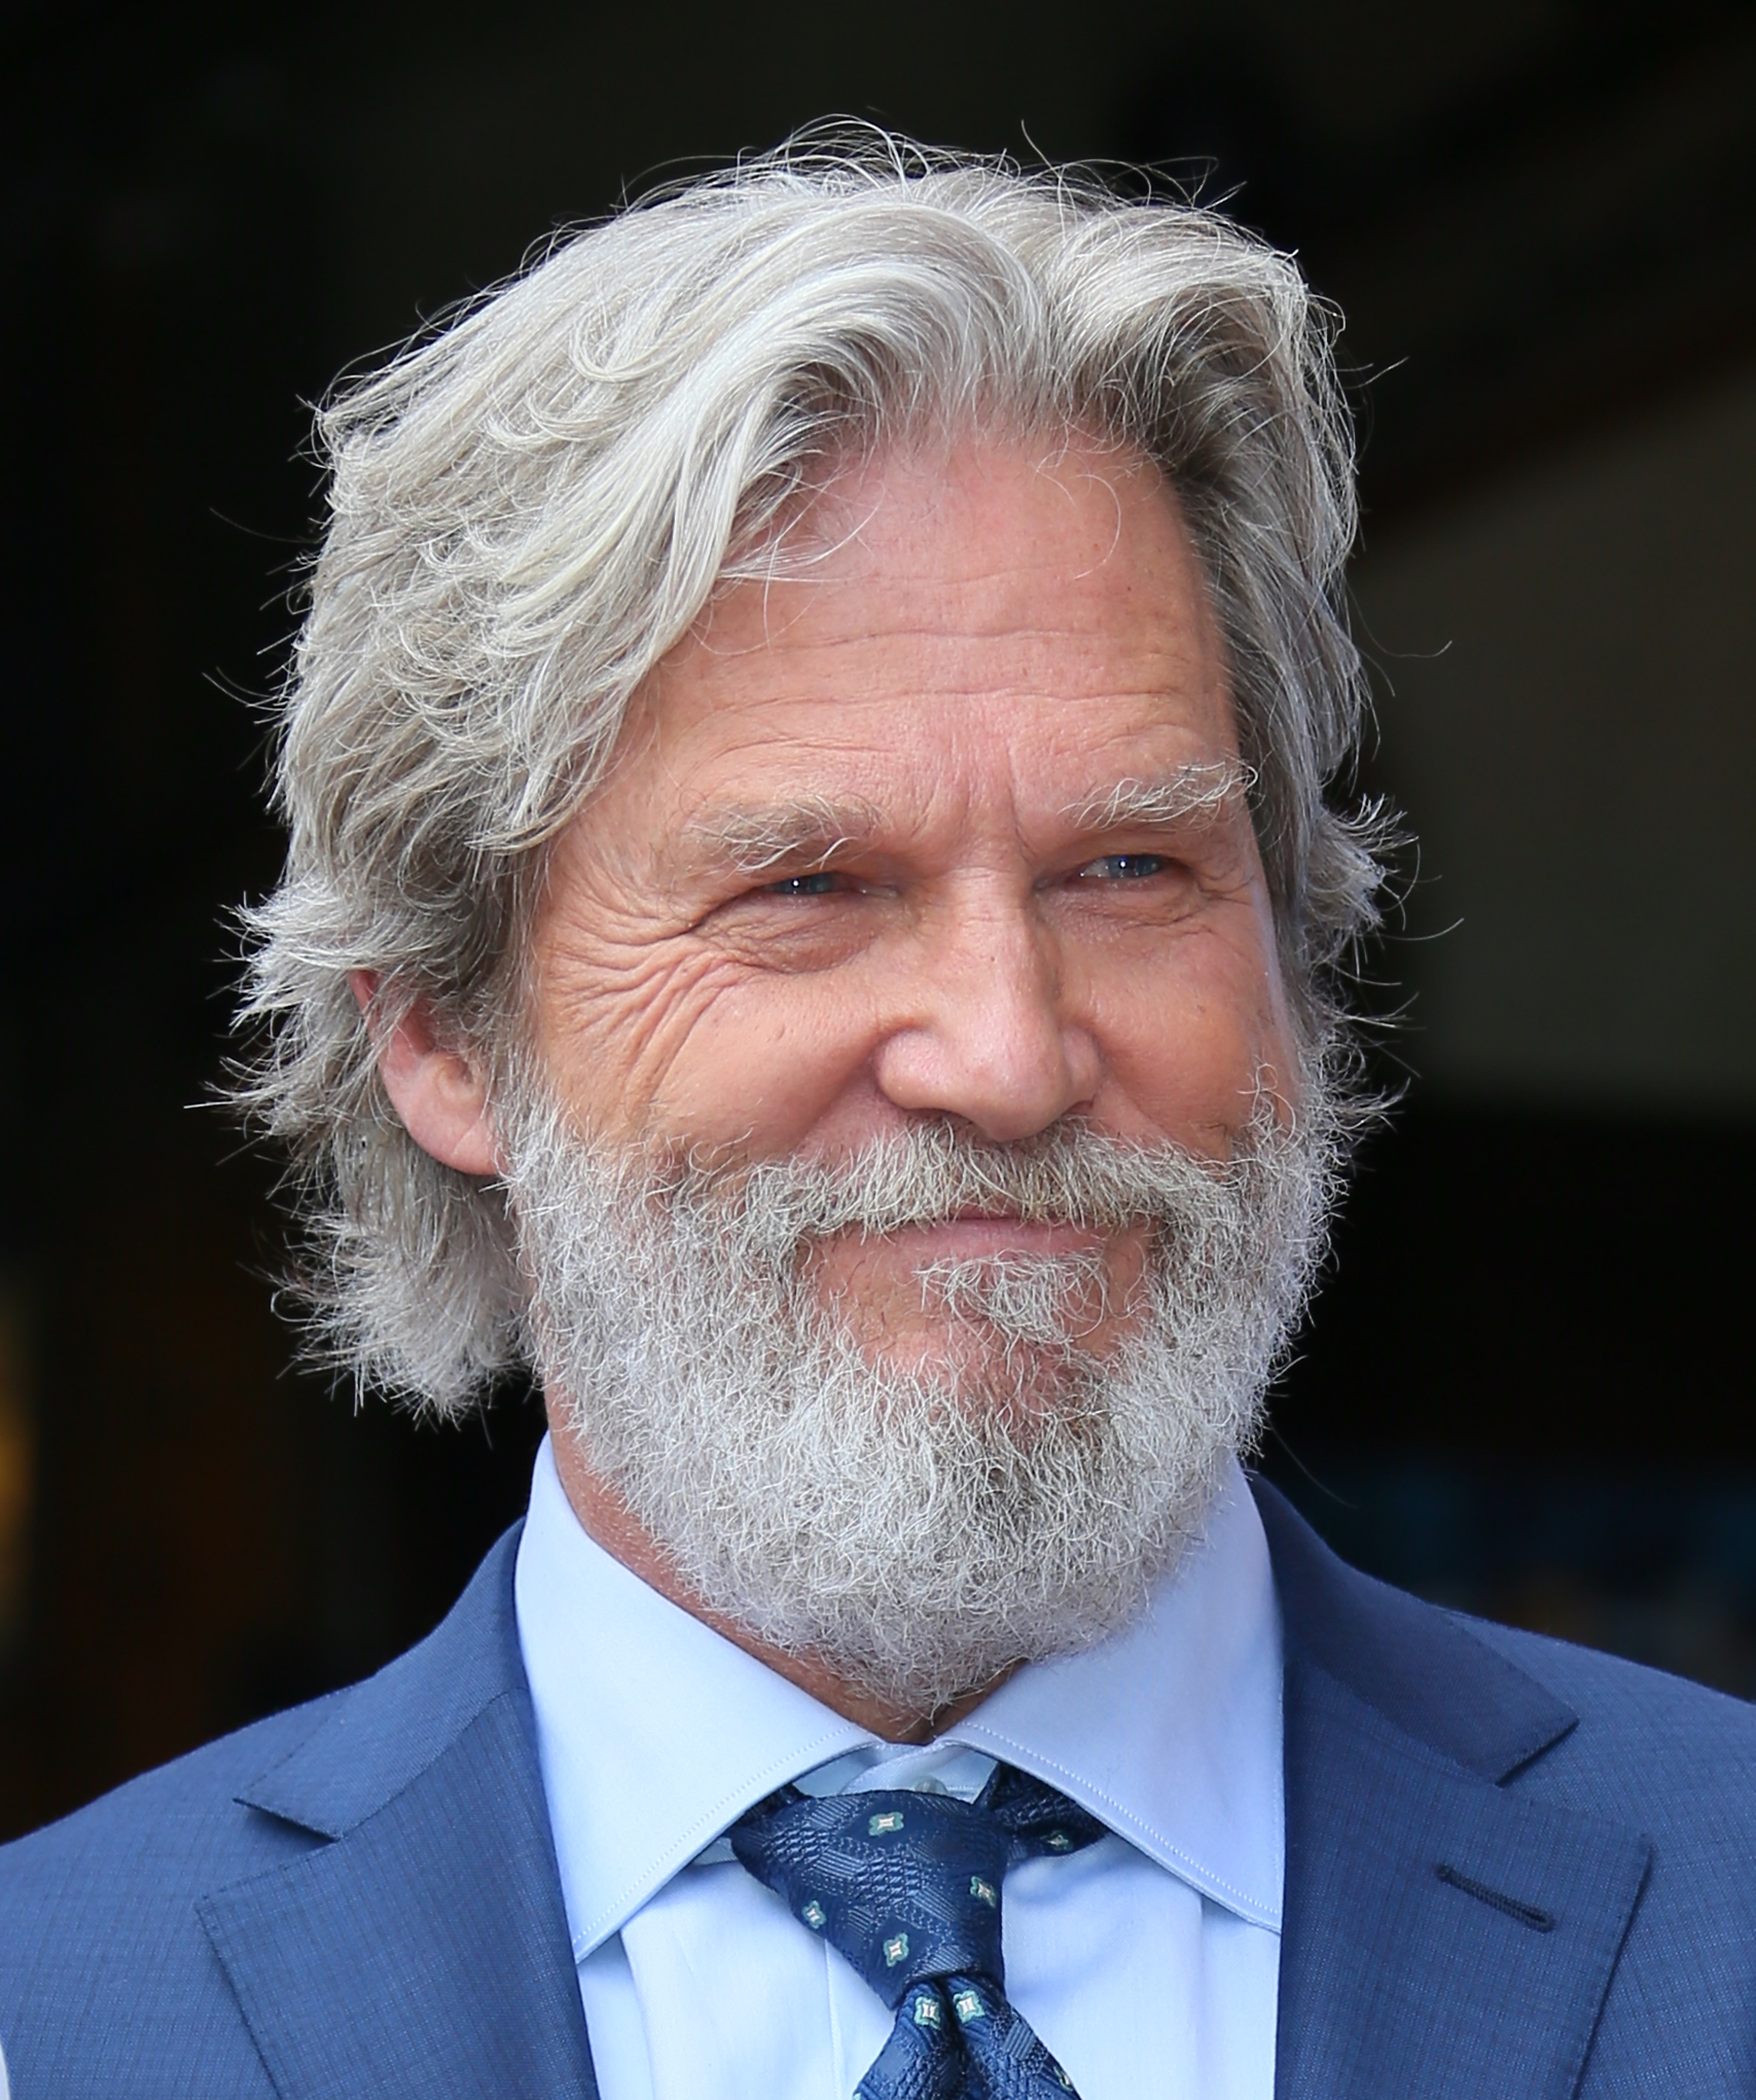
980	1235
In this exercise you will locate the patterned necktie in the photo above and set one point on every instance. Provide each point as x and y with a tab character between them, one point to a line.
907	1886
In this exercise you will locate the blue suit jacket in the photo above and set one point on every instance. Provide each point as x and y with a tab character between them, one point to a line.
1514	1869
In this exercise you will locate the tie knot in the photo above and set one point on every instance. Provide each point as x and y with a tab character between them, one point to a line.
906	1885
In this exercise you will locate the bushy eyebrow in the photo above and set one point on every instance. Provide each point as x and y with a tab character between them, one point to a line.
1192	791
808	826
759	836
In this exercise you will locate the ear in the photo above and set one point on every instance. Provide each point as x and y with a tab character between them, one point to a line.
440	1094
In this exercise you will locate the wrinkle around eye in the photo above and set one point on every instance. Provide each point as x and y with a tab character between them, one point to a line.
796	931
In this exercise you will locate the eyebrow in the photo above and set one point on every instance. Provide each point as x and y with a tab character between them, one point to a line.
1197	790
756	839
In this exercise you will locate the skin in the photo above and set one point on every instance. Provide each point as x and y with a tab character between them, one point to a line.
853	866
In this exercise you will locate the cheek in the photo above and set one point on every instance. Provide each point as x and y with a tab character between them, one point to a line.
1185	1048
763	1066
691	1047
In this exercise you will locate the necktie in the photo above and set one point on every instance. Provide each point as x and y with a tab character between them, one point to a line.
907	1886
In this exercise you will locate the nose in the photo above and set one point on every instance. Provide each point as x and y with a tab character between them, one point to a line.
980	1028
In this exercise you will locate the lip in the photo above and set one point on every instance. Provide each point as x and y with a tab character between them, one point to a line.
973	1235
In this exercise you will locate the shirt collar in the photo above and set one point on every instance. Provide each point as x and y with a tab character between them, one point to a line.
1170	1732
654	1733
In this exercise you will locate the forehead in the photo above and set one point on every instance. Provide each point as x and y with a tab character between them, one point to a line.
949	618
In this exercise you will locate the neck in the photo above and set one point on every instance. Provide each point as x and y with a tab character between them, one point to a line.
608	1520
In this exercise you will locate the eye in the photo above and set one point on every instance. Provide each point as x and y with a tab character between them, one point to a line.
1123	867
823	882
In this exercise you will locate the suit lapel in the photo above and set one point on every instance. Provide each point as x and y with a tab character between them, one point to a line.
421	1946
1445	1935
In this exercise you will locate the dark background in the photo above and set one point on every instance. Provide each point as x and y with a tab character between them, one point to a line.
1526	1387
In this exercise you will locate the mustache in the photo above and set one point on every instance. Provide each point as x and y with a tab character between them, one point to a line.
931	1173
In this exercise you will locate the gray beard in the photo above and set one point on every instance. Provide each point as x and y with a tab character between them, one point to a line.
917	1530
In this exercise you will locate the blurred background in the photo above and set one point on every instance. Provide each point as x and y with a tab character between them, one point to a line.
1525	1388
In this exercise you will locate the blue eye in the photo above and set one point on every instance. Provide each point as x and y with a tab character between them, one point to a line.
1123	867
821	884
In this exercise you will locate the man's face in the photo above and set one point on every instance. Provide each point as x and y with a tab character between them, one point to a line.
940	830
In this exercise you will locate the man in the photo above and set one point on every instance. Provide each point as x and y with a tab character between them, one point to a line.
811	918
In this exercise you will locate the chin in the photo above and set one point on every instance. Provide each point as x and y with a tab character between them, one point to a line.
991	1380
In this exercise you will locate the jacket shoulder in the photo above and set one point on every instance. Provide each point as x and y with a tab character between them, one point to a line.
1604	1753
1660	1751
1518	1707
108	1981
1676	1763
181	1822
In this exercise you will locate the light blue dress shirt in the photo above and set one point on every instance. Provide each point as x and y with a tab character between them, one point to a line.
1148	1963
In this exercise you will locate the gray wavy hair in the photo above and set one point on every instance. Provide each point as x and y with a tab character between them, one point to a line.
527	509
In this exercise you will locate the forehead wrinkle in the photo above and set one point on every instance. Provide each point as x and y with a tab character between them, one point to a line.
1202	788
